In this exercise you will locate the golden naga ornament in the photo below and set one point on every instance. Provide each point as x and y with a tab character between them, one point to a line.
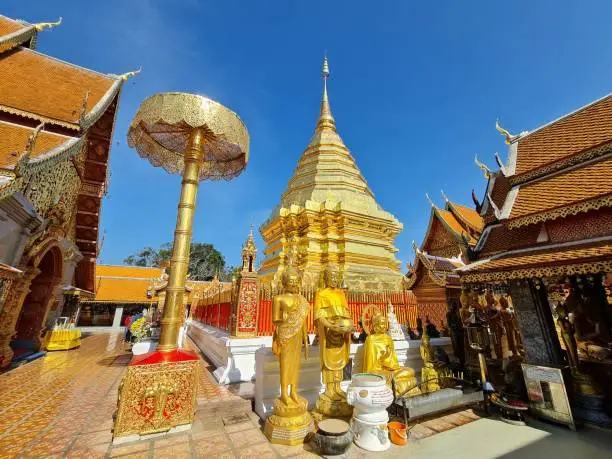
290	422
379	355
200	139
334	327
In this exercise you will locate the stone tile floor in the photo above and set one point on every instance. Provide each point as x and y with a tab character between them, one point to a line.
62	405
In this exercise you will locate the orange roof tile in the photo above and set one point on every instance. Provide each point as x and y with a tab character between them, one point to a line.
122	290
48	89
453	224
548	256
8	25
564	189
587	128
468	216
138	272
14	138
500	238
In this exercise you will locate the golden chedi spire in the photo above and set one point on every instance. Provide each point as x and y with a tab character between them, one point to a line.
331	208
326	119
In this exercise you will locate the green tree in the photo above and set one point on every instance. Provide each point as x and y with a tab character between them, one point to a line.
204	262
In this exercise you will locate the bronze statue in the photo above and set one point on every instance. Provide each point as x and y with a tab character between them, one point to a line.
495	323
334	326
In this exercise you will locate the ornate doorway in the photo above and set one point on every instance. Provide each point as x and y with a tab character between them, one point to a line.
37	302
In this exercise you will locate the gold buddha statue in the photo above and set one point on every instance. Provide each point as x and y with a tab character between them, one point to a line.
433	370
334	327
379	356
290	421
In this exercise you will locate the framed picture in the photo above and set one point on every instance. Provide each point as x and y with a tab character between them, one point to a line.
547	392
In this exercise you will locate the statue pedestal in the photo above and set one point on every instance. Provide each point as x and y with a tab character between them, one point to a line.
289	424
327	407
157	394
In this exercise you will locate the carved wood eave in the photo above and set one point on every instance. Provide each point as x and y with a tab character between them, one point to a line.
95	166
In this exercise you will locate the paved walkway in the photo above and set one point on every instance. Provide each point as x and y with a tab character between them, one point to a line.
62	406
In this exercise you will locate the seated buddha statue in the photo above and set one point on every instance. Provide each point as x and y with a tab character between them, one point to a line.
433	370
379	357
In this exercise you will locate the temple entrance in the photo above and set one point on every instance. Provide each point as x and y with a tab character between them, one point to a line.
34	309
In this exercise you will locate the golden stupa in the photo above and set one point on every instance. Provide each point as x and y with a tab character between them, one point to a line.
328	215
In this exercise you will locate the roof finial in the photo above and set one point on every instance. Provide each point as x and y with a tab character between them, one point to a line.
499	162
430	201
444	196
483	167
47	25
23	160
509	137
326	119
126	75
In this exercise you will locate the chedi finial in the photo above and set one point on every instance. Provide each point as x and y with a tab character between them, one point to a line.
325	71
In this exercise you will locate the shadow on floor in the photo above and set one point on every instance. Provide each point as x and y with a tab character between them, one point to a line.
115	361
561	443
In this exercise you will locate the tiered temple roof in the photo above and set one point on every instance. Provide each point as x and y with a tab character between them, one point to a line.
549	208
452	232
47	109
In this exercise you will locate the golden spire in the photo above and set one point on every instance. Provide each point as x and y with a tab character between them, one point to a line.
47	25
326	119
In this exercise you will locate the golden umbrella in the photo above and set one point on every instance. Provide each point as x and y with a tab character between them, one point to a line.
200	139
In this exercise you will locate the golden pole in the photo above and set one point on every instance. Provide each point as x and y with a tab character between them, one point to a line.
175	291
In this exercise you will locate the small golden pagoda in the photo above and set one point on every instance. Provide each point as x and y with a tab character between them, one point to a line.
328	215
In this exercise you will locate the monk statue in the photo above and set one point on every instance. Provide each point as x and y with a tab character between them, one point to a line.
290	421
433	370
464	312
509	321
379	357
334	327
495	323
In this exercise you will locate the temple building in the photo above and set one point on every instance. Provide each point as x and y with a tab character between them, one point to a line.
56	125
126	290
328	215
548	241
452	234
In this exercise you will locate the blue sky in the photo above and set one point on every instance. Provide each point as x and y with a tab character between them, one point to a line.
415	90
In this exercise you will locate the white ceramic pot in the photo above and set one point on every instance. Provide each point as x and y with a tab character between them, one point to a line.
369	393
370	397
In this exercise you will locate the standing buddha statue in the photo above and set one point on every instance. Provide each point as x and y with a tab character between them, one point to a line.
334	327
509	321
290	421
379	357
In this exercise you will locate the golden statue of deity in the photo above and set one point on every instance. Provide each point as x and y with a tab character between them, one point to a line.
290	421
334	326
380	357
495	320
433	370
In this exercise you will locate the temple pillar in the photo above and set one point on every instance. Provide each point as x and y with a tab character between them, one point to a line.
11	309
535	323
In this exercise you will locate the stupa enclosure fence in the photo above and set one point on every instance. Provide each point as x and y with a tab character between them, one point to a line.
216	310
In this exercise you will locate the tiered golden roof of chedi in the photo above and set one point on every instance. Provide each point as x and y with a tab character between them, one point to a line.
549	209
56	122
452	232
328	215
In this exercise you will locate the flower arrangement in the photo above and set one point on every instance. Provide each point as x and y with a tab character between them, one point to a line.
140	329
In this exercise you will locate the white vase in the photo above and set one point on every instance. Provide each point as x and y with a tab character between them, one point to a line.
370	397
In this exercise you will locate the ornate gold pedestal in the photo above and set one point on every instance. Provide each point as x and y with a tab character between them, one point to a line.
157	394
289	424
328	407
